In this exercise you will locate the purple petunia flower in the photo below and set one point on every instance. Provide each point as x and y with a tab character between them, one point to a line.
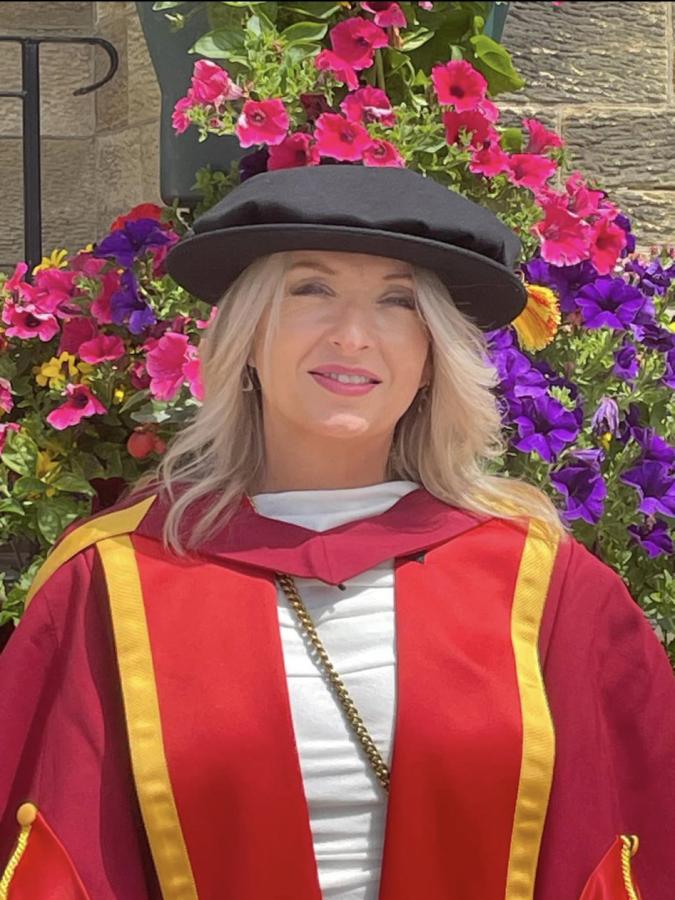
606	417
654	538
584	490
626	364
501	339
126	304
624	223
544	426
133	240
654	336
655	485
629	423
669	375
651	277
654	446
566	281
609	302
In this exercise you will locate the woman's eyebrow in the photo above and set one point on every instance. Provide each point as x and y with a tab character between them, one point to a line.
323	268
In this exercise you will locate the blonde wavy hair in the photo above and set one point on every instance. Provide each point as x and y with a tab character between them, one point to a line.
447	446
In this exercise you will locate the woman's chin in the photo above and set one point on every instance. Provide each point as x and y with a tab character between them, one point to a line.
343	425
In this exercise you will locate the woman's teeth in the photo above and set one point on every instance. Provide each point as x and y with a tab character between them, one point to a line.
347	379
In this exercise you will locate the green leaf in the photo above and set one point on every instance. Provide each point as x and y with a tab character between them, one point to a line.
512	140
20	453
494	62
220	44
158	6
318	10
69	481
414	39
9	505
28	484
135	400
304	32
49	521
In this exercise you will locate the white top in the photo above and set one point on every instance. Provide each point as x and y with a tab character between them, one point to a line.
347	804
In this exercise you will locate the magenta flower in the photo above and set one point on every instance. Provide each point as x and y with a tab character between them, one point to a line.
457	83
530	171
341	70
179	117
295	150
564	237
489	160
88	264
15	282
193	375
5	428
339	138
382	153
582	201
607	242
102	347
355	40
387	15
212	84
75	332
478	128
262	122
166	362
6	402
52	291
101	307
489	109
28	322
541	138
368	104
80	404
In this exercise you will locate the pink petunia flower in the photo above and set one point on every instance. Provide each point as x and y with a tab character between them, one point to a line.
341	71
28	322
607	242
76	331
295	150
489	160
355	40
582	201
165	363
138	376
193	375
102	347
179	117
87	264
540	137
159	254
5	428
489	109
459	84
339	138
204	323
262	122
53	291
478	128
80	404
564	236
382	153
426	4
368	104
15	282
101	307
212	84
6	402
530	171
387	15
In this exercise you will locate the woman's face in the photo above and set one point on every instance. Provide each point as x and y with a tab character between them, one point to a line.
350	352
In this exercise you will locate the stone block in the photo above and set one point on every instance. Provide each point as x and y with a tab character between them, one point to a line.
622	148
68	194
112	100
144	94
150	162
32	17
652	214
119	176
117	9
11	230
63	69
593	52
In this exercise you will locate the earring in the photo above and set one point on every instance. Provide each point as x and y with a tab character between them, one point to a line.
246	381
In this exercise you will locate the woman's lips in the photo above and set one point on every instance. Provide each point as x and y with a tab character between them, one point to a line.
340	387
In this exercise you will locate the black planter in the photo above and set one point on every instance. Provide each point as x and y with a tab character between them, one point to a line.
181	155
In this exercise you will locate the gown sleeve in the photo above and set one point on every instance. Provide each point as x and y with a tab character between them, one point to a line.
612	695
63	746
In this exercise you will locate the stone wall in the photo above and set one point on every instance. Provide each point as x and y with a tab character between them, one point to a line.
601	72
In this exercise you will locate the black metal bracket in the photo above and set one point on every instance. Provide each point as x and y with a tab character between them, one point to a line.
30	96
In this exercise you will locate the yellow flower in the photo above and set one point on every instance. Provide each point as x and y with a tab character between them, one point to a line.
606	439
50	491
45	464
118	395
671	326
56	371
57	260
539	321
87	249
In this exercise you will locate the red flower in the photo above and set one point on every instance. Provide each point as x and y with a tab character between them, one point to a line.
530	171
355	40
102	347
80	403
489	160
295	150
540	137
76	331
382	153
142	211
340	70
262	122
459	84
387	15
475	124
564	236
607	242
340	138
101	307
368	104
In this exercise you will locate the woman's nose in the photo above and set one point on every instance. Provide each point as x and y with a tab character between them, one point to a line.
352	331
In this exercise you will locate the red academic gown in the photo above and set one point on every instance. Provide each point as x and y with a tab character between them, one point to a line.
144	713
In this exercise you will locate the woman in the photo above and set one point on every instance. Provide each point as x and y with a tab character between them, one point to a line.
322	651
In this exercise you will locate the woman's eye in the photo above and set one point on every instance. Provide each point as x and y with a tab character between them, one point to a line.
407	302
311	288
